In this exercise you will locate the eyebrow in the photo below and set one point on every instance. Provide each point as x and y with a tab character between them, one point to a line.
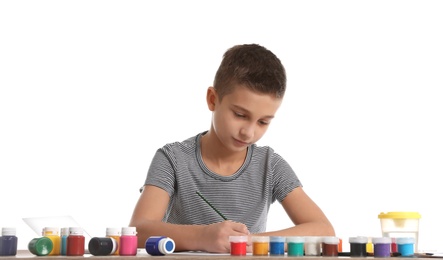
247	111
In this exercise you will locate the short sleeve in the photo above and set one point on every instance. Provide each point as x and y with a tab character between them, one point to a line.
161	172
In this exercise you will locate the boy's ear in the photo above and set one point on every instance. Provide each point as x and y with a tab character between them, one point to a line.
211	98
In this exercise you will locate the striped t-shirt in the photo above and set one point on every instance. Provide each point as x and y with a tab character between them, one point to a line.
245	196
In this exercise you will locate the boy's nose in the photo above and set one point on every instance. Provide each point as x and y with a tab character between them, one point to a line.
247	132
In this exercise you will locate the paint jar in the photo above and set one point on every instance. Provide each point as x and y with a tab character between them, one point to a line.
40	246
400	224
76	242
115	234
159	245
370	246
102	246
260	245
128	241
64	233
277	245
329	246
358	246
382	246
295	246
394	248
405	246
312	246
8	242
238	244
53	234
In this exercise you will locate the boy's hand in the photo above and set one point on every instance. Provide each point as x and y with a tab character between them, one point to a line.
215	237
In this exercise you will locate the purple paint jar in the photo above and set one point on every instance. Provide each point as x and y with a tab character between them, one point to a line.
382	246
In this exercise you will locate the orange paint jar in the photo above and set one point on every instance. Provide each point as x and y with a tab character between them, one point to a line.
260	245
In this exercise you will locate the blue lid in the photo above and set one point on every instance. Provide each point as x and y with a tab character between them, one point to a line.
169	245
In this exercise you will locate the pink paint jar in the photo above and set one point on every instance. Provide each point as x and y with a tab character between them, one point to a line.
128	241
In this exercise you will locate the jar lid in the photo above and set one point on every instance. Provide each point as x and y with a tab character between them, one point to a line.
75	231
399	214
295	239
263	239
404	240
8	231
331	240
50	231
381	240
358	240
237	239
166	245
64	231
41	246
112	231
277	239
129	231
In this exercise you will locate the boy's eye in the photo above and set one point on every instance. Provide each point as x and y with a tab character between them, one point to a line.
264	122
238	114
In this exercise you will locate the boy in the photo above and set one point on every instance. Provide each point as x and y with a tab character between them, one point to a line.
237	177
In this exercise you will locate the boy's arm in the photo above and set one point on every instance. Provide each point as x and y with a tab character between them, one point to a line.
147	218
308	218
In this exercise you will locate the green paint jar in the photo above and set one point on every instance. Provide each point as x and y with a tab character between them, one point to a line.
295	246
41	246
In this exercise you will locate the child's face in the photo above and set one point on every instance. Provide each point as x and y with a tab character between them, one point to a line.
243	116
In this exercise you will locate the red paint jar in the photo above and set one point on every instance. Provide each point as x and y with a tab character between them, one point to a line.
76	242
330	246
238	245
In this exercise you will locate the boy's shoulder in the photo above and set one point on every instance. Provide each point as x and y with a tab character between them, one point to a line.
189	143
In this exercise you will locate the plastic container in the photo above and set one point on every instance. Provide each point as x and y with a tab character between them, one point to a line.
312	246
40	246
358	246
114	233
76	242
260	245
53	234
405	246
159	245
64	233
8	242
102	246
277	245
295	246
128	242
400	224
329	246
238	245
382	246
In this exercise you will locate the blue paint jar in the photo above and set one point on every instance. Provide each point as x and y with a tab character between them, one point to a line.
64	233
159	245
405	245
8	242
276	245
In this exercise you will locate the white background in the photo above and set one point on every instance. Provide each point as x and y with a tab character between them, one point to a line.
90	89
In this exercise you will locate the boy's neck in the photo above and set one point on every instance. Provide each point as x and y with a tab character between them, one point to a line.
217	158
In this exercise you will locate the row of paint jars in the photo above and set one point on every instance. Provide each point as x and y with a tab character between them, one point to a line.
319	246
71	242
296	245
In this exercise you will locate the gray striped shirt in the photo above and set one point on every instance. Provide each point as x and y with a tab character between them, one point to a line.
244	197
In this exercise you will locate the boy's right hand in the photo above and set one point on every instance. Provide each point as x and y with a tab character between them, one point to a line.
215	237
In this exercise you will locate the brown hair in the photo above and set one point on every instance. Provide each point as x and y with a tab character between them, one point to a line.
253	66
